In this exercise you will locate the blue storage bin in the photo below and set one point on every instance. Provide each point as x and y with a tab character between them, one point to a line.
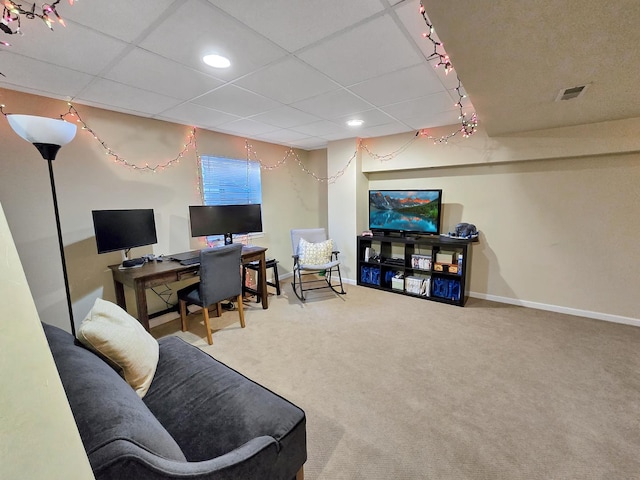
370	275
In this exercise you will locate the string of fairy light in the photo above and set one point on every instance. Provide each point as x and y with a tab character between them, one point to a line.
468	125
191	142
13	13
291	153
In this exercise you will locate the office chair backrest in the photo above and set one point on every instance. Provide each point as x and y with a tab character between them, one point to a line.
312	235
220	276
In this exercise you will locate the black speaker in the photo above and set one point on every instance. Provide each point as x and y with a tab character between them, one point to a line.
228	238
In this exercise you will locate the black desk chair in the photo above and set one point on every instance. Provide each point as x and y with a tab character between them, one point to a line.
220	279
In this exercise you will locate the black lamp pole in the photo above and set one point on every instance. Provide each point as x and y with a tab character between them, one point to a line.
48	152
48	135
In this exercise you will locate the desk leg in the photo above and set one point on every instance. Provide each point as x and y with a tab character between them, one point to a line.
119	289
141	304
262	281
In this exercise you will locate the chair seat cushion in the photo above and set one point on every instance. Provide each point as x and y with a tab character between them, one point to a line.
324	266
191	294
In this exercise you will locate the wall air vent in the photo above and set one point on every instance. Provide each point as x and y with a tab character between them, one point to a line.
571	93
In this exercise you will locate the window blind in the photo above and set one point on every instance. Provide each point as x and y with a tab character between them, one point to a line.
228	181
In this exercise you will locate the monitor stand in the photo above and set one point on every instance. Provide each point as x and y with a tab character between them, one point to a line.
228	238
128	262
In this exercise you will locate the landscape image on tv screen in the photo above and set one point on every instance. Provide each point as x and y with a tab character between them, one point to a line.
405	210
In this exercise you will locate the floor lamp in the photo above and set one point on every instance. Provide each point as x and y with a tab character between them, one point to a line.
48	135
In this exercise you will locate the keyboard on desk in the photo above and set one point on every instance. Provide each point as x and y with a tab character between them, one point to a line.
190	261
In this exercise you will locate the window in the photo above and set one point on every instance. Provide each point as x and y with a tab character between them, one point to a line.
228	181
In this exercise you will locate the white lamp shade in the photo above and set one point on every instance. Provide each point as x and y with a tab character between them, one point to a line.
42	129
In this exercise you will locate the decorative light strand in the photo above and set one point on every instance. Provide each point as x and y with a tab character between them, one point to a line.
443	58
199	179
292	153
388	156
191	142
468	126
13	12
250	154
264	166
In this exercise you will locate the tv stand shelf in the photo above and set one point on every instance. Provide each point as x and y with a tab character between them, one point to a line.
431	267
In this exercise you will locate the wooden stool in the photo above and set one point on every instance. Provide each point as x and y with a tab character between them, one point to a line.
255	266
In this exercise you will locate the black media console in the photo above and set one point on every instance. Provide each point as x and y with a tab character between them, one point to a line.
430	267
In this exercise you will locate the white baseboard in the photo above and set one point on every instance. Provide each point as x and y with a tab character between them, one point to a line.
607	317
559	309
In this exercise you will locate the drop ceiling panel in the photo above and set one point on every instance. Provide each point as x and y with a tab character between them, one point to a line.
197	115
323	127
157	74
121	19
247	127
406	84
125	98
366	51
296	24
433	104
332	105
283	136
340	136
77	48
41	78
370	117
196	28
288	81
236	101
285	117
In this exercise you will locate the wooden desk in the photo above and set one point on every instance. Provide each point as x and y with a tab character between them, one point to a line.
154	273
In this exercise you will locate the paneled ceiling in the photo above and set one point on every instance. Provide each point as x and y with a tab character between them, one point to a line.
301	69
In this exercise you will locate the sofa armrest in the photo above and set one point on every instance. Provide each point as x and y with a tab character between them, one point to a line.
252	461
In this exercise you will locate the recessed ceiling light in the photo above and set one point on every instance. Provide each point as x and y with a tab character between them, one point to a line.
217	61
355	123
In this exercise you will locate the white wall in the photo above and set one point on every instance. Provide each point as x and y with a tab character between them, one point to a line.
342	204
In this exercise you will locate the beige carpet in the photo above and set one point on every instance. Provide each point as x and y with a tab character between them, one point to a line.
401	388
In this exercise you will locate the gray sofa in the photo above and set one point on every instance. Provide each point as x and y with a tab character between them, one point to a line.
199	420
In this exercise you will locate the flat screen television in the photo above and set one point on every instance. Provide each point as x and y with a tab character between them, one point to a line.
405	211
124	229
227	220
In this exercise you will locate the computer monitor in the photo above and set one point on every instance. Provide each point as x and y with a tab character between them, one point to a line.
124	229
227	220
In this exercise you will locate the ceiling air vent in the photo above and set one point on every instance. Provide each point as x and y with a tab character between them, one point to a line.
571	93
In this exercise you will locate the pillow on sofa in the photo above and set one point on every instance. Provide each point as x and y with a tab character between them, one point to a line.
314	253
118	337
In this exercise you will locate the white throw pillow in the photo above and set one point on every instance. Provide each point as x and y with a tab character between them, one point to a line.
314	253
114	334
